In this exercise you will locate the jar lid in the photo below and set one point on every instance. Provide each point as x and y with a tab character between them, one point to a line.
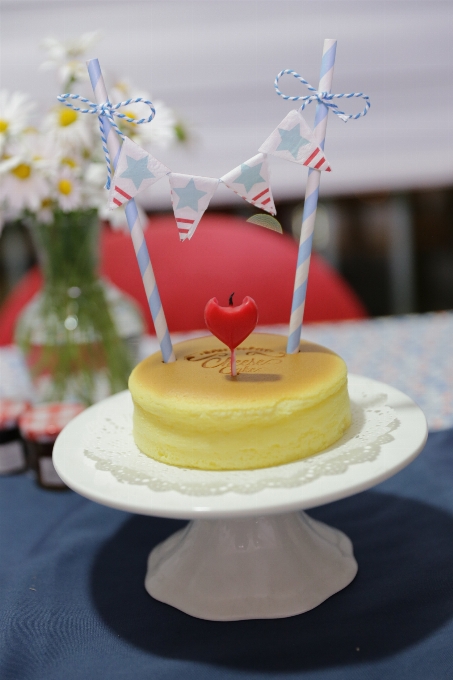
44	422
10	412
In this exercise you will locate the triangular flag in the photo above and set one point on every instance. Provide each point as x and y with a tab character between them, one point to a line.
294	141
251	181
190	196
135	171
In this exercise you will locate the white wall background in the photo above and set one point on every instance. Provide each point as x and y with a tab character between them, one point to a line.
215	63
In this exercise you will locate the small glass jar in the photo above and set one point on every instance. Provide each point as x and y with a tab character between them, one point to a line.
40	426
12	451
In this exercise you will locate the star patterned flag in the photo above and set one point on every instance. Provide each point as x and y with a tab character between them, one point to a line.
294	141
251	181
190	196
135	171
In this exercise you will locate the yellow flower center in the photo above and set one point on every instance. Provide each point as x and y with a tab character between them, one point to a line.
22	171
64	187
69	162
46	203
122	87
3	125
67	117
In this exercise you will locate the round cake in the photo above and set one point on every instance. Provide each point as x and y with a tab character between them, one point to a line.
278	409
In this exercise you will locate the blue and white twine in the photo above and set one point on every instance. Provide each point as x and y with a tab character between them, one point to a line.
109	111
322	97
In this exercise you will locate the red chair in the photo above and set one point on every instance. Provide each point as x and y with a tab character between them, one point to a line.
226	255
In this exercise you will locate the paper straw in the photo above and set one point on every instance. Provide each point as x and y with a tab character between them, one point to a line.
310	204
112	140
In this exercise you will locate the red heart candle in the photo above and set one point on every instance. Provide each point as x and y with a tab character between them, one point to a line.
231	325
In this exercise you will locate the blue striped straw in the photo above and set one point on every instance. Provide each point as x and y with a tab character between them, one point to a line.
310	204
111	141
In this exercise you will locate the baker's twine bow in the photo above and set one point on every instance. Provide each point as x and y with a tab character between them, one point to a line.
322	97
109	111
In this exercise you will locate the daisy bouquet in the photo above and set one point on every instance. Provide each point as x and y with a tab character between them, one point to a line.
52	177
58	165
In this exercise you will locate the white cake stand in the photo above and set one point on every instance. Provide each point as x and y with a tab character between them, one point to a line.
249	551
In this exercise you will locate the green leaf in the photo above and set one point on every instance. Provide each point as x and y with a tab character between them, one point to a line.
266	221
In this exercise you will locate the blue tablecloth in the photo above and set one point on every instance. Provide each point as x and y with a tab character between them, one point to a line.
73	604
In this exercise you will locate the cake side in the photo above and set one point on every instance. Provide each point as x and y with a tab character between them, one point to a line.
280	407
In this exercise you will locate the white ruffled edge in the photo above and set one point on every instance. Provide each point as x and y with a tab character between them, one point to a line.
373	422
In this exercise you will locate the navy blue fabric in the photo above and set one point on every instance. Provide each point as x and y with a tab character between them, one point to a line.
73	605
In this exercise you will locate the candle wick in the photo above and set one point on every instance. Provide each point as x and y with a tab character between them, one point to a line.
230	301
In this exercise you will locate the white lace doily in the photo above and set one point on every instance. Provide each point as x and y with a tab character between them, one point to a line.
373	423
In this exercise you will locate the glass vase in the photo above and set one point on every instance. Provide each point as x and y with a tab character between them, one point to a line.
80	334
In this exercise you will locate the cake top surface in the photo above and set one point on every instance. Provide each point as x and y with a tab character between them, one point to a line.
200	377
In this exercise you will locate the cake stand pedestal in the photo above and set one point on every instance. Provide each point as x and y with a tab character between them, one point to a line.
252	568
250	554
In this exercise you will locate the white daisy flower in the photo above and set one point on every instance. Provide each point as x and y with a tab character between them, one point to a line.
15	112
42	149
95	174
70	130
68	191
22	184
95	195
45	212
67	56
162	130
72	161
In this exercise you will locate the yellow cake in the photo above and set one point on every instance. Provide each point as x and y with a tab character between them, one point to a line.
280	407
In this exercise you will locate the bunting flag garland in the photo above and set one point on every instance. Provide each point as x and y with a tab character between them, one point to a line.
190	196
294	141
135	171
250	180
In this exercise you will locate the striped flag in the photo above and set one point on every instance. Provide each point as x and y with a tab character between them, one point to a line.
294	141
135	171
190	196
250	180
